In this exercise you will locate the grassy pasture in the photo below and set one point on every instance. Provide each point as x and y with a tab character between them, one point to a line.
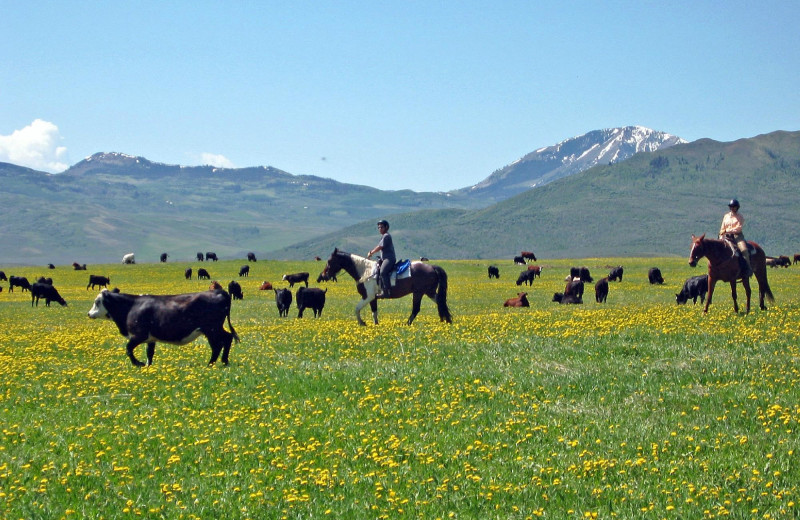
637	408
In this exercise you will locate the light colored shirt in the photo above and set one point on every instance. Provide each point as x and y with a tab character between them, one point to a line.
732	223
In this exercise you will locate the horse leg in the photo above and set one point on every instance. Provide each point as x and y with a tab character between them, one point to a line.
733	295
415	305
374	306
360	305
747	291
711	283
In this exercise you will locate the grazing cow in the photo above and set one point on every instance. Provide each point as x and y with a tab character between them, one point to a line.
654	276
215	286
96	279
236	290
772	261
51	266
518	260
244	270
78	267
211	256
188	273
128	259
796	259
520	301
202	274
692	288
176	319
164	257
601	290
615	274
313	299
199	256
784	261
527	255
296	278
46	291
526	277
265	286
251	257
47	280
326	277
536	270
494	272
3	277
18	281
283	300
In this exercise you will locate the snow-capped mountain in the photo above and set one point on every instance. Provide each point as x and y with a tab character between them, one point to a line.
571	156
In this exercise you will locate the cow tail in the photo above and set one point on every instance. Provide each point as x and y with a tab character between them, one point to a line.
441	295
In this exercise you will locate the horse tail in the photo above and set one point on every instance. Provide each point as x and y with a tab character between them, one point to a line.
441	295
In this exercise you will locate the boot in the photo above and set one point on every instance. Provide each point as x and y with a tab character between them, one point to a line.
747	270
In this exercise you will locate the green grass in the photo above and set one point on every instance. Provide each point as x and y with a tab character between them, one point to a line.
637	408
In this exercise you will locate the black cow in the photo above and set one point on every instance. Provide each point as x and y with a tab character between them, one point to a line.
3	277
326	278
164	257
244	270
46	291
251	257
519	260
526	276
601	290
654	276
283	300
692	288
236	290
96	279
313	299
47	280
51	266
78	267
188	273
573	293
211	256
176	319
296	278
615	274
566	298
199	256
202	274
581	273
18	281
494	272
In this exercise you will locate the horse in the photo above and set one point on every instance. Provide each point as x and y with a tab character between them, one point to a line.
723	265
425	279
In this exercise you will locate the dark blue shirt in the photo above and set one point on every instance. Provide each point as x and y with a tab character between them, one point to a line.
387	251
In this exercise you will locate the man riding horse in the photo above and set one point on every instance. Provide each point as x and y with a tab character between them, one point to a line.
731	230
388	258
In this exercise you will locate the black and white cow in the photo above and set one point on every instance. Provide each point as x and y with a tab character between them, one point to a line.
176	319
296	278
46	291
96	279
130	258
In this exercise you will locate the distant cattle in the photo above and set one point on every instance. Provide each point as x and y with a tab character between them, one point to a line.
176	319
615	274
202	274
796	259
18	281
51	266
318	259
3	277
581	273
46	280
536	270
424	259
211	256
654	276
526	277
527	255
313	299
283	300
129	259
100	281
244	270
573	292
236	290
692	288
520	301
772	261
199	256
164	257
265	286
326	278
78	267
251	257
215	286
601	290
566	298
494	272
296	278
518	260
188	273
784	261
46	291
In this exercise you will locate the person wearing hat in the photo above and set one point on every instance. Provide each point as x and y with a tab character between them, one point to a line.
388	258
731	229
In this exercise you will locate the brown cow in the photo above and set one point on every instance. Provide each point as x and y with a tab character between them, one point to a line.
520	301
537	270
265	286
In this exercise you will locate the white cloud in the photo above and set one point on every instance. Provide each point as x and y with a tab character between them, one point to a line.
216	160
35	146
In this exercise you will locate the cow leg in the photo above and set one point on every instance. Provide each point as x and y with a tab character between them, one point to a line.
132	344
711	283
734	296
151	351
416	302
216	342
226	346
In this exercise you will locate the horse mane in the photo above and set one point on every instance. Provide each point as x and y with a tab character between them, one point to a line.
364	266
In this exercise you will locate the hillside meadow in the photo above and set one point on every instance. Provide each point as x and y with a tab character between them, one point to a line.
637	408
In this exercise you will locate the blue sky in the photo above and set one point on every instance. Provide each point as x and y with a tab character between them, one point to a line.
425	95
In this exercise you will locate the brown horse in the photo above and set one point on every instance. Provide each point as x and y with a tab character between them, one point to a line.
723	265
426	279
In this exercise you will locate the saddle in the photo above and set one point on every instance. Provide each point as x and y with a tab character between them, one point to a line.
735	253
402	269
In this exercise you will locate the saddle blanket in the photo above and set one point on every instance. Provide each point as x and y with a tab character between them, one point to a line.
402	269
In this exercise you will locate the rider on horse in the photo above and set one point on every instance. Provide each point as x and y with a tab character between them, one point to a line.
731	229
388	258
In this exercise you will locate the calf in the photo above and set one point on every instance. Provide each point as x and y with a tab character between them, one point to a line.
296	278
129	259
313	299
283	300
188	274
236	290
251	257
518	260
520	301
615	274
100	281
244	270
326	277
211	256
654	276
46	291
526	277
176	319
601	290
47	280
18	281
494	272
692	288
164	257
265	286
202	274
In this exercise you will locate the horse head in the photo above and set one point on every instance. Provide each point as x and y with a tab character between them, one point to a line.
333	265
697	252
